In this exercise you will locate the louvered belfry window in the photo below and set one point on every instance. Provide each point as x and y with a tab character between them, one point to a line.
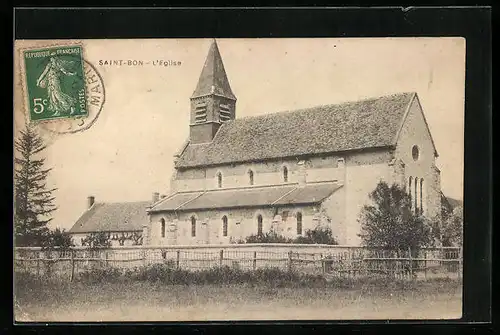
225	113
201	112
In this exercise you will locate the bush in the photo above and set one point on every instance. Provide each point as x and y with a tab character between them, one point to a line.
59	239
100	275
318	235
159	273
269	237
97	240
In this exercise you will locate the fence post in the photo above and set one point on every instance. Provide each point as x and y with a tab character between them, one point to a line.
72	276
460	262
106	263
322	264
411	263
255	260
290	261
425	264
178	261
221	258
38	264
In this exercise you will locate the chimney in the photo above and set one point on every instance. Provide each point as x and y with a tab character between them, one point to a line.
156	197
90	201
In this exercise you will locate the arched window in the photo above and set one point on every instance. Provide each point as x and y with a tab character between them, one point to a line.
259	224
250	177
224	226
162	221
409	187
421	197
299	223
219	180
416	195
285	174
193	226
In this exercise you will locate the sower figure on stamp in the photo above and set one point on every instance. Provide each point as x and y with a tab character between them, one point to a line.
50	78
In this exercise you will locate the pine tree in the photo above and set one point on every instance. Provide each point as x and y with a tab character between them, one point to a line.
33	201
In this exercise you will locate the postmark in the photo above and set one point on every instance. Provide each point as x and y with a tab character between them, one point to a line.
55	83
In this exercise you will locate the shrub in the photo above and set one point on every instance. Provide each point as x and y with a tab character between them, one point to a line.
318	235
100	275
159	273
57	239
269	237
97	240
450	231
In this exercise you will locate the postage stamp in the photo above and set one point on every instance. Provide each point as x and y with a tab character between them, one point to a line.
55	83
94	96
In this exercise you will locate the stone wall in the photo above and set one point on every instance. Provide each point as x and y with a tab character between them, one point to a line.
317	169
415	133
241	223
360	181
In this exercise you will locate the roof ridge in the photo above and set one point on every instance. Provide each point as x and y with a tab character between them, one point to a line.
120	202
236	188
247	198
250	187
343	103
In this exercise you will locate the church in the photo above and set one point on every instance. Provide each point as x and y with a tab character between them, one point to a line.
289	171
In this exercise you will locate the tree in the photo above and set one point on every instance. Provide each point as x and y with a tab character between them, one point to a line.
451	232
60	239
390	221
33	201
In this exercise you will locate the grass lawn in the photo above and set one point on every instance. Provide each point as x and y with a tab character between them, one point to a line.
143	301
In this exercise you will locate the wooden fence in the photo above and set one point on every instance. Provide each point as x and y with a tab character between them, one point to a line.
342	261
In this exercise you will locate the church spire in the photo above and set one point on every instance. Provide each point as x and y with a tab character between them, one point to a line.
213	102
213	78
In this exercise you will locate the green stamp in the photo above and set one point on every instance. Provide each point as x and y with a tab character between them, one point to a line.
55	83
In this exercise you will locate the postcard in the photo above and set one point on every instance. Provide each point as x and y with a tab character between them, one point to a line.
238	179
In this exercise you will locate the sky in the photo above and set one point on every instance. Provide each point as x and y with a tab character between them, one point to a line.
127	154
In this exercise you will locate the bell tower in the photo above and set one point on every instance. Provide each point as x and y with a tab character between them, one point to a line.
213	102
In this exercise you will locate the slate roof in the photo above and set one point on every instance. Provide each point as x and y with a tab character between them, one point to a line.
287	194
124	216
369	123
213	76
